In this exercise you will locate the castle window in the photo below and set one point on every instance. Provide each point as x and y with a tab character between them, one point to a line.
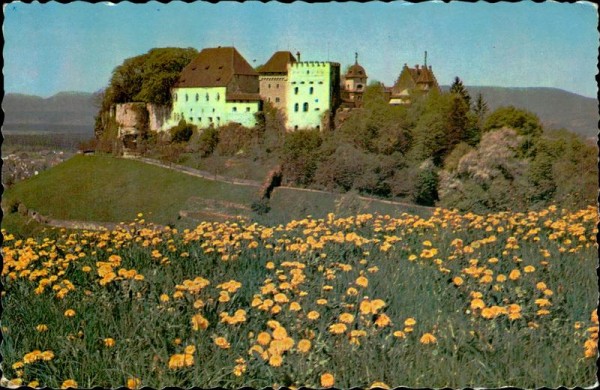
276	100
186	97
269	86
191	119
277	86
310	82
197	97
296	107
200	119
213	110
218	119
175	96
218	96
234	109
207	96
210	119
305	107
311	90
320	82
317	109
318	127
308	71
247	109
296	90
296	127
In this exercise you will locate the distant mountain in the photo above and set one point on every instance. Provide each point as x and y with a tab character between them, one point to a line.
64	112
555	107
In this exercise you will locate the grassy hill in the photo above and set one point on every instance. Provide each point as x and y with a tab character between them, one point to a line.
555	107
109	189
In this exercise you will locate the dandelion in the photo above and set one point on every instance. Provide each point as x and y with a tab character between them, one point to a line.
69	383
400	334
222	343
279	333
313	315
346	318
69	313
199	322
410	322
382	320
321	301
362	281
263	338
457	280
133	383
304	345
514	274
529	269
164	298
295	306
109	342
428	338
327	380
338	328
41	328
275	360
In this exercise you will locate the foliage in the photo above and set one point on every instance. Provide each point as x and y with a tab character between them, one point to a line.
457	88
299	156
261	206
182	132
525	123
209	139
426	186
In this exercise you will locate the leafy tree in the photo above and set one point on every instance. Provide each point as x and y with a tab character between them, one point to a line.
522	121
209	138
148	77
300	156
426	186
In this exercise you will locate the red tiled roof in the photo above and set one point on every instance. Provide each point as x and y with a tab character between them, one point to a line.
355	71
242	96
278	63
214	67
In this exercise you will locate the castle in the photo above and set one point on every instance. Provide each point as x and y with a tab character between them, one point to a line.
220	87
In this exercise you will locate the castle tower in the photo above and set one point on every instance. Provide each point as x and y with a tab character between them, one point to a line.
355	82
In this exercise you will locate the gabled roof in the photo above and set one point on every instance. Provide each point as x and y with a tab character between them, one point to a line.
278	63
418	75
214	67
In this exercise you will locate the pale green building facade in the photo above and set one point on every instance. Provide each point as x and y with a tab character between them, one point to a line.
216	88
313	94
208	106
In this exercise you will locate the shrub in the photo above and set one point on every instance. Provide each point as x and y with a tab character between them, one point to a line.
209	138
425	192
182	132
261	206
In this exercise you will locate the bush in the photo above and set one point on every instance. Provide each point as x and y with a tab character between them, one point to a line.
182	132
261	206
425	192
209	138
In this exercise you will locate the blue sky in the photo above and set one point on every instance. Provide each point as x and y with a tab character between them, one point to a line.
74	47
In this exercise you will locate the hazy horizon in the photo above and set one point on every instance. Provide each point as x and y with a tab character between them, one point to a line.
51	48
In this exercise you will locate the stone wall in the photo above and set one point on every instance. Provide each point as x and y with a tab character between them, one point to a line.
134	118
157	116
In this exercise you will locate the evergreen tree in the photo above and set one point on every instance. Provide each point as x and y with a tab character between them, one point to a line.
459	89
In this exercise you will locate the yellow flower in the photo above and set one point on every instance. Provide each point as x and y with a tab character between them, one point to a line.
199	322
428	338
275	360
279	333
458	280
542	302
47	355
529	269
541	286
295	306
382	320
346	317
362	281
379	385
313	315
164	298
514	274
109	342
69	313
338	328
69	383
263	338
281	298
270	265
86	268
410	322
222	342
33	384
501	278
190	349
477	304
304	345
18	365
133	383
327	380
399	334
41	328
352	291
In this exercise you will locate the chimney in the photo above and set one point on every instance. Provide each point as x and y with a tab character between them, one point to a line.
298	55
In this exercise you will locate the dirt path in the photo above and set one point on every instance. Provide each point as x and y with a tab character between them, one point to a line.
195	172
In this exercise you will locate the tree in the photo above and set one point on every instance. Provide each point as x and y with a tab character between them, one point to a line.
457	88
522	121
300	155
480	109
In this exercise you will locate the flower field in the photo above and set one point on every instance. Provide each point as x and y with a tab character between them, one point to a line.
454	300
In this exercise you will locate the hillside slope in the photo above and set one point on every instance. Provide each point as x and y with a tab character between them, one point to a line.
555	107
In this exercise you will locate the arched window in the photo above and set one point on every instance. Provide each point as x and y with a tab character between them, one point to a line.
186	97
218	96
305	107
207	96
296	90
311	90
175	97
296	107
197	97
